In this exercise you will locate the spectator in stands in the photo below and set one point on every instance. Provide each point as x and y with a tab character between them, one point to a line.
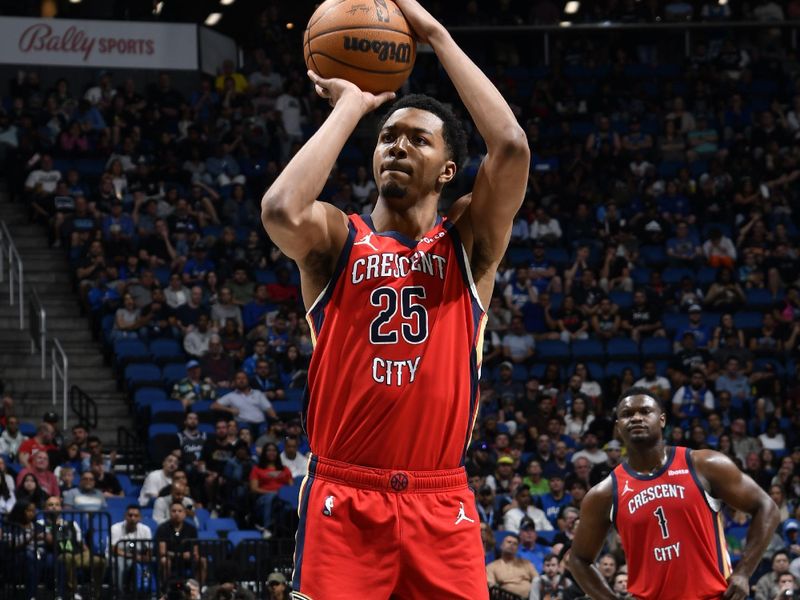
591	451
130	545
247	405
557	498
7	487
216	452
176	294
194	387
64	539
719	250
693	399
197	340
128	321
259	353
266	382
157	479
509	572
266	478
571	322
486	505
292	458
522	508
28	538
742	444
94	448
40	469
579	416
178	493
11	439
767	586
217	365
28	488
171	548
732	380
105	480
518	345
41	442
642	319
86	496
654	382
40	185
198	266
191	440
189	314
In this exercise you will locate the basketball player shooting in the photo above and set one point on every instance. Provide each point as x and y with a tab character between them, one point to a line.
665	503
396	303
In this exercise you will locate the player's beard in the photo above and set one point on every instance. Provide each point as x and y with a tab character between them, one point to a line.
391	190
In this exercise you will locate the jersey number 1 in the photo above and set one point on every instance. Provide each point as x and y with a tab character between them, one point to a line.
662	521
414	331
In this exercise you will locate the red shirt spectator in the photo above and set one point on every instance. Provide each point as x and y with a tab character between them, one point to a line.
40	469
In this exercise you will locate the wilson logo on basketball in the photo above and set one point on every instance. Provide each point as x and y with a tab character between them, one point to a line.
392	51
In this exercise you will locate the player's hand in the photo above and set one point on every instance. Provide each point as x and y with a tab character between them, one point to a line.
335	89
738	588
421	21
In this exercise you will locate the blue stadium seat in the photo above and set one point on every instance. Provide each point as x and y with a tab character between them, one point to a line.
128	488
640	275
265	276
129	350
519	373
552	350
615	368
655	348
171	411
623	300
748	320
141	374
673	275
587	350
290	494
557	255
145	397
173	372
222	524
237	536
206	428
706	276
621	348
547	536
760	298
203	534
674	321
520	256
166	350
653	256
27	429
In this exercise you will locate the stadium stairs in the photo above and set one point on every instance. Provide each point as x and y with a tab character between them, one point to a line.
47	270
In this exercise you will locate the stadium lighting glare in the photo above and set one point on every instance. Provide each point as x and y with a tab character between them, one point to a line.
723	2
226	2
159	7
213	19
74	1
290	26
572	7
565	24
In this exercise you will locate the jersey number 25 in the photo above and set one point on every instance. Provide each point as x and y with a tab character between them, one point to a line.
414	329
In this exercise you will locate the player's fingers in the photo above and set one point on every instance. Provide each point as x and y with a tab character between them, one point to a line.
321	91
384	97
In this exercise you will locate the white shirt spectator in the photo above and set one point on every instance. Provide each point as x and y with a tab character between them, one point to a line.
596	457
161	509
514	516
119	533
776	442
153	484
297	465
196	342
10	445
542	230
518	345
47	179
725	247
660	382
6	504
291	114
251	405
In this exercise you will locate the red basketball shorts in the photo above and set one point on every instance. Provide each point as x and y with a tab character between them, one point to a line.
380	534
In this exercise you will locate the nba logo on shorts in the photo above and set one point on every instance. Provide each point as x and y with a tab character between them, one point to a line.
328	510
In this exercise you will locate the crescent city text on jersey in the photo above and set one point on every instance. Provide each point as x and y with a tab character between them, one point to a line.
655	492
389	264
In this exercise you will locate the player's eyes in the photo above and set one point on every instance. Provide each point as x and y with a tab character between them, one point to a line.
420	141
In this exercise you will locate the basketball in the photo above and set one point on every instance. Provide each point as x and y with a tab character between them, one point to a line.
366	42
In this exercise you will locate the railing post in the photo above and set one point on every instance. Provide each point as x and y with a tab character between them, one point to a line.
63	371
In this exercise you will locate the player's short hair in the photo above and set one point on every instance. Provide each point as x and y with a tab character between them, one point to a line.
640	391
455	138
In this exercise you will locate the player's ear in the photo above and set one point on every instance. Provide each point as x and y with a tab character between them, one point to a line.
447	173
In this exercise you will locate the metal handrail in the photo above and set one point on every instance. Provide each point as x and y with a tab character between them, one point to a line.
15	270
84	407
62	371
37	323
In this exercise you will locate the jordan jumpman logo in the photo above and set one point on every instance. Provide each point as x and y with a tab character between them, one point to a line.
462	516
366	240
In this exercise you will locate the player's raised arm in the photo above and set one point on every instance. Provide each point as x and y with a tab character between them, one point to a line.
725	481
590	535
500	185
295	221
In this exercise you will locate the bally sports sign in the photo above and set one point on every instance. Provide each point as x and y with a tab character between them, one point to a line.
73	43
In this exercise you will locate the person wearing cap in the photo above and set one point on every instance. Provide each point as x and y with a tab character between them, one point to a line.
194	387
277	586
553	501
228	575
522	508
702	332
500	480
613	450
529	546
196	268
52	419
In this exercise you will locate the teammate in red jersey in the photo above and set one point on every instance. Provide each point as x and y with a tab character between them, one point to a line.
396	304
665	502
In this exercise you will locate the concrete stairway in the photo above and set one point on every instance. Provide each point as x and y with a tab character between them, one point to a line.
47	270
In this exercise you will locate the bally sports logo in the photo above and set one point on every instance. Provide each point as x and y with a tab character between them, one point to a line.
42	38
392	51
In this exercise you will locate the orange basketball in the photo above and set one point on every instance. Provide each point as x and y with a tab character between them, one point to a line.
367	42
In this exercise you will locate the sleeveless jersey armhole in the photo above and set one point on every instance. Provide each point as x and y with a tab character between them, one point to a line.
463	263
714	504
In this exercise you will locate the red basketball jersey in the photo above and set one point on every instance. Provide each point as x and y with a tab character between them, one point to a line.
671	532
393	380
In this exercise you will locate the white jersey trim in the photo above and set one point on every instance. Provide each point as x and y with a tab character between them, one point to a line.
470	281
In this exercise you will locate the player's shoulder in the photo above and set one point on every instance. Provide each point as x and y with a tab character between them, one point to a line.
601	493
